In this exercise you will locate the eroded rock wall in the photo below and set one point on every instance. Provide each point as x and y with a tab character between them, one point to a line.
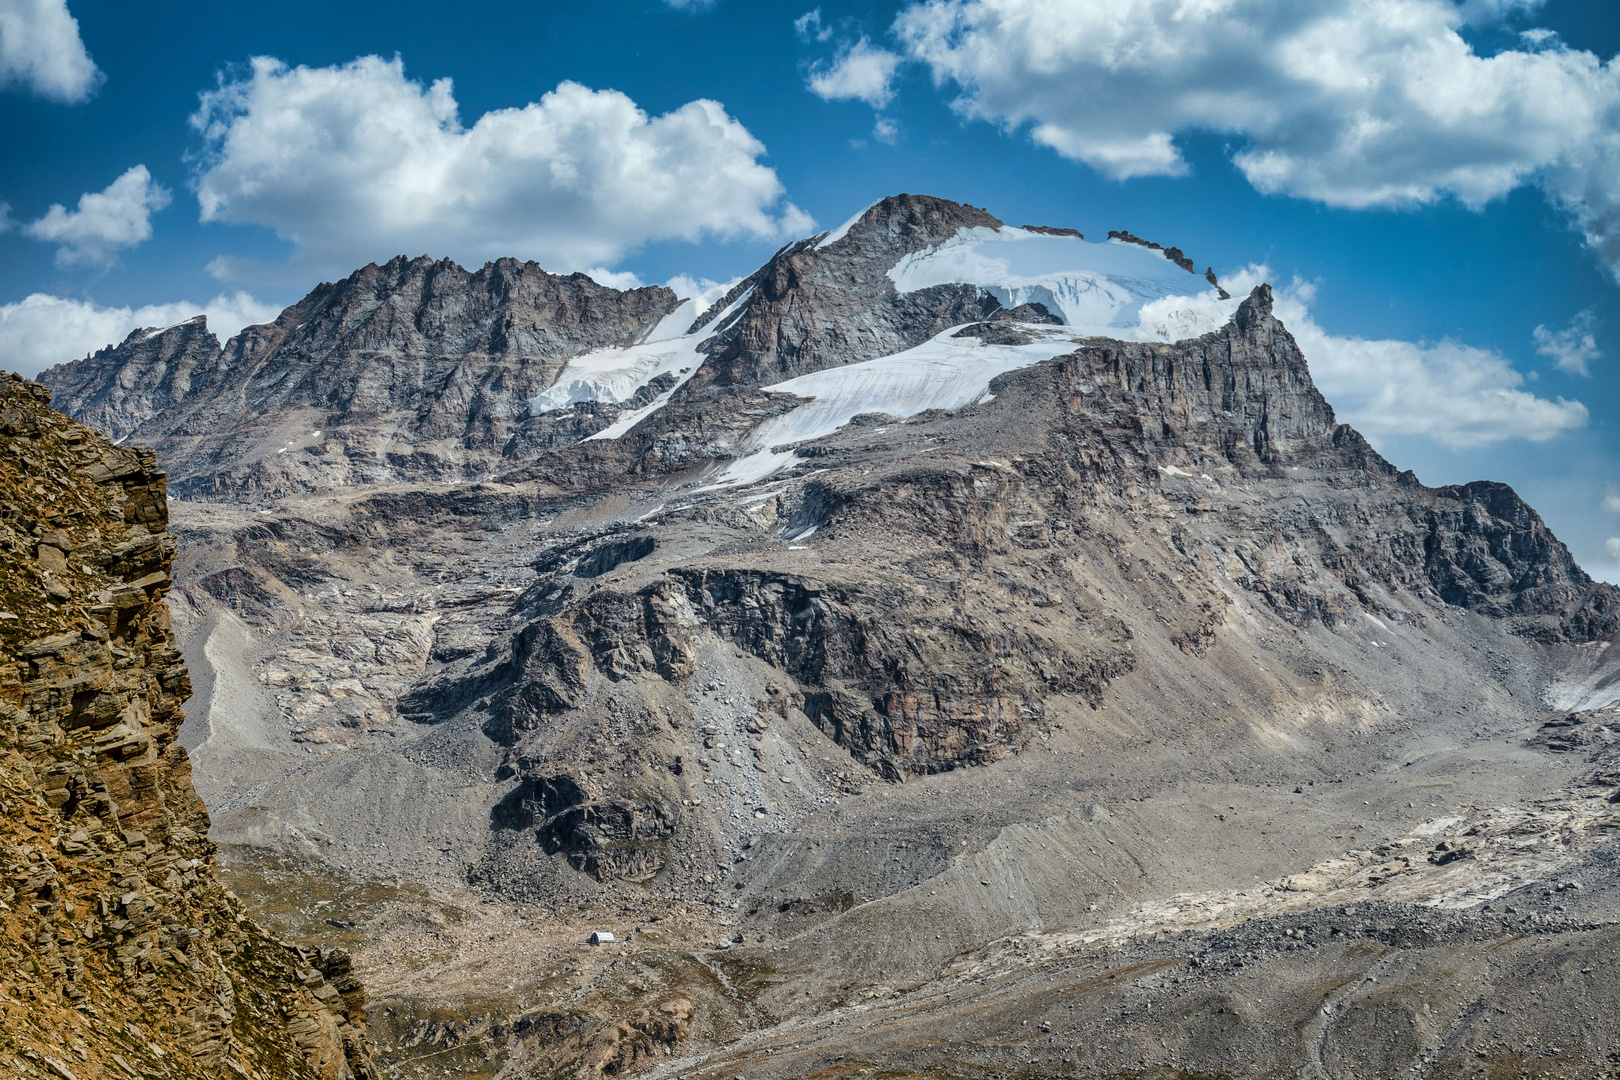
120	952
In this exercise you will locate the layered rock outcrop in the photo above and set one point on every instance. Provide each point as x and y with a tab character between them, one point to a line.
120	952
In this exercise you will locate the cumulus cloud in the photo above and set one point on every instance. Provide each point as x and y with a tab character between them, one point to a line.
105	221
859	72
1612	546
1571	349
1456	395
1348	102
42	330
1586	185
886	131
356	162
1611	504
40	49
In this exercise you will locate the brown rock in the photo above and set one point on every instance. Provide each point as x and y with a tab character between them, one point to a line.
109	838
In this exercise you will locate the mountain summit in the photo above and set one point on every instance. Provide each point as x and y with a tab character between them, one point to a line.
959	646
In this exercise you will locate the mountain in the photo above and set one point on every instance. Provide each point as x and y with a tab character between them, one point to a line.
122	953
959	646
419	369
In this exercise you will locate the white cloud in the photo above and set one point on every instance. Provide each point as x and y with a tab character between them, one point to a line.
1612	545
858	73
614	279
106	221
690	5
1571	349
42	330
1454	394
809	27
1354	103
1586	185
356	162
885	130
1611	504
40	49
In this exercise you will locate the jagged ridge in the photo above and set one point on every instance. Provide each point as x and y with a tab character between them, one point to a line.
413	369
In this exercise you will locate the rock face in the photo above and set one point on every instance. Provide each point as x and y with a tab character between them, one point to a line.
148	377
413	370
915	685
813	307
614	838
121	951
1012	627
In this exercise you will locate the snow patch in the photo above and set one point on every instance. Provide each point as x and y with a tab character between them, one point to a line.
1112	289
615	374
674	324
944	372
635	416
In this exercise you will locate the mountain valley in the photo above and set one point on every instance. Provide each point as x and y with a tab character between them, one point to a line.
957	650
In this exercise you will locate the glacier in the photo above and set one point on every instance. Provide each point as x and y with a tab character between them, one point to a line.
1111	289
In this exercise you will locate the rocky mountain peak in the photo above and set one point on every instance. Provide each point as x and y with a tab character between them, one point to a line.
359	372
435	310
908	223
148	375
828	300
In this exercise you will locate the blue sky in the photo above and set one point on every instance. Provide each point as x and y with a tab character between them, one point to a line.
1451	266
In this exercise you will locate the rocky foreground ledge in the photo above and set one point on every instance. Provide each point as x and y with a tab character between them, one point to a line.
121	955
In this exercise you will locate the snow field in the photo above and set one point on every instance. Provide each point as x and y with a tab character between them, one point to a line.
944	372
1113	289
615	374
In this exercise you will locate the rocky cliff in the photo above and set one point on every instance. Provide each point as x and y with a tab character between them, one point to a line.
122	954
